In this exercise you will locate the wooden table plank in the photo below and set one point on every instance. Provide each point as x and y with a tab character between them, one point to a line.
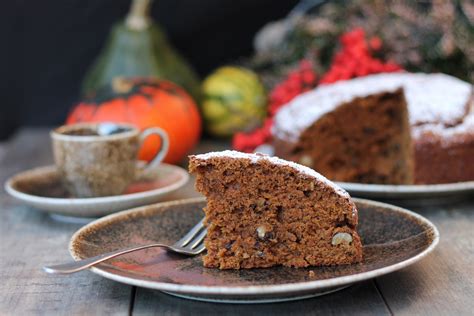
360	299
442	283
30	239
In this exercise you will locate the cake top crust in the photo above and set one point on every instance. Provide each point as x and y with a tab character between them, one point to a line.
447	135
257	157
431	99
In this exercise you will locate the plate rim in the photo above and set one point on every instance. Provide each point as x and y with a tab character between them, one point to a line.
258	290
397	189
410	188
261	300
30	198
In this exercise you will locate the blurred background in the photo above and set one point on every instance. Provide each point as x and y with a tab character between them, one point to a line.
48	46
238	61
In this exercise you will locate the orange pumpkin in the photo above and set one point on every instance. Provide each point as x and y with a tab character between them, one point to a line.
146	102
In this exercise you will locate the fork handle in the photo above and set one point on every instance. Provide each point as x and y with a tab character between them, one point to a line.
76	266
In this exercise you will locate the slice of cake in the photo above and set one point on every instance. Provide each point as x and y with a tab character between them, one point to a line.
264	211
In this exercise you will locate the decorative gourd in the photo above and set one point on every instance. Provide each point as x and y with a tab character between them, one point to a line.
146	102
234	100
138	47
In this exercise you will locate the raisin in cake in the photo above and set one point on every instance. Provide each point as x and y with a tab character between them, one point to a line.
264	211
357	130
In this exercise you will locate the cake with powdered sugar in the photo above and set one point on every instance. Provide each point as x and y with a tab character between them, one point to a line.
394	128
264	211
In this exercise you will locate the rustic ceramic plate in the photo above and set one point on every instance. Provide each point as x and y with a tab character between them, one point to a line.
393	238
403	194
41	188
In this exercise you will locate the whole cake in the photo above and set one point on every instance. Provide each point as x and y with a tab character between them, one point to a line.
357	130
264	211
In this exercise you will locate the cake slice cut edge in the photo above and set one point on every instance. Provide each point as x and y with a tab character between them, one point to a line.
365	140
264	211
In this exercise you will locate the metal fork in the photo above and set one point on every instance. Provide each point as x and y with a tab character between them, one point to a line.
191	244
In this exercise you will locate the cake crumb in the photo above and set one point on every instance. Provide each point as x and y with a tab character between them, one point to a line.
311	274
270	219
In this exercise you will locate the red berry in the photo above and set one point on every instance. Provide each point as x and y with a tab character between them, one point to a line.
375	43
309	77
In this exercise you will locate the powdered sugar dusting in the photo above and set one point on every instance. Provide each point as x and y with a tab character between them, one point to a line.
255	158
431	98
446	134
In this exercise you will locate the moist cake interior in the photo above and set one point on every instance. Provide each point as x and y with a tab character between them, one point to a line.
261	214
366	140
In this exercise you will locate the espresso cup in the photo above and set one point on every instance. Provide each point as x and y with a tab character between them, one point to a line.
100	159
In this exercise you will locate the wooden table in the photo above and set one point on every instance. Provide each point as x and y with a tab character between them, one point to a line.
441	284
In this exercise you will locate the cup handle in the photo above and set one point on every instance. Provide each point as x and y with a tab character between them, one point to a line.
165	144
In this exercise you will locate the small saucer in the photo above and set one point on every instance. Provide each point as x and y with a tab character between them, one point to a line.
41	188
